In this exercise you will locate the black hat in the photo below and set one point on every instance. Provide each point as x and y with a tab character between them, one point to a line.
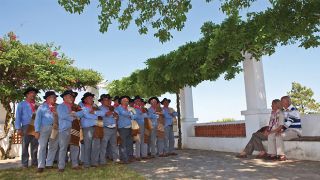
131	100
66	93
165	99
104	96
115	98
120	99
137	97
49	93
152	99
31	89
74	94
87	94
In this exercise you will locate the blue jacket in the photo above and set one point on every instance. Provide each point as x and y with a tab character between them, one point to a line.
153	116
88	119
44	117
168	118
107	120
125	117
65	118
23	114
139	117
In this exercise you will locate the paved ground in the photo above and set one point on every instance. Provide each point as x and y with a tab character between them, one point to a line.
199	164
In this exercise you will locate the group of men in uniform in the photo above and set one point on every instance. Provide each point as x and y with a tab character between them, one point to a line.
121	129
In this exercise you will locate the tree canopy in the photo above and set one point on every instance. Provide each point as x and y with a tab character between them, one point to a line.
302	98
220	50
41	66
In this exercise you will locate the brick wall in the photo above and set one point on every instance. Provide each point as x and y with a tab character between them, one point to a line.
220	130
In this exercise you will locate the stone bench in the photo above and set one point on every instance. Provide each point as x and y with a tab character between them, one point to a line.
302	148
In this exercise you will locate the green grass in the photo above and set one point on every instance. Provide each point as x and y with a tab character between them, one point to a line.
110	171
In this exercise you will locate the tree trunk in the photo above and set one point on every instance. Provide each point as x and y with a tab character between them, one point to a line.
6	128
179	122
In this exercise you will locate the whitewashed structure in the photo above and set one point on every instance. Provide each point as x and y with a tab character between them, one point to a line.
256	116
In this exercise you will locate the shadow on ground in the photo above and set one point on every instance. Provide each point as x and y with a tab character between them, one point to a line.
201	164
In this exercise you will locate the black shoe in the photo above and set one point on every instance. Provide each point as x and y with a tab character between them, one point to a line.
271	158
61	170
40	170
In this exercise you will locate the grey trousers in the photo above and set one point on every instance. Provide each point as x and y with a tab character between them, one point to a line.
160	146
26	141
82	152
255	143
126	143
88	151
141	146
152	142
64	139
109	139
45	133
168	139
53	147
74	155
95	151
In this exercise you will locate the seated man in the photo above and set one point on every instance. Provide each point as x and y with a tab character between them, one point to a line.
255	143
292	125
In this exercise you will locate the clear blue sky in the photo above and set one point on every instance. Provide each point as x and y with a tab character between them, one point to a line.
79	37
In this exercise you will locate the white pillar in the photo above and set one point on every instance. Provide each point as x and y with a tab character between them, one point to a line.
94	91
257	114
3	113
187	115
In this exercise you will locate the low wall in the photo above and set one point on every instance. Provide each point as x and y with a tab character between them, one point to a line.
231	137
227	129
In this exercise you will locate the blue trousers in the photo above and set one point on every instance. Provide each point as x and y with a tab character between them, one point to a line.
64	139
88	151
45	133
126	143
168	139
152	142
26	141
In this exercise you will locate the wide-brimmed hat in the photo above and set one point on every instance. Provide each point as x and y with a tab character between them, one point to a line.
115	98
67	92
137	97
152	99
87	94
74	94
49	93
165	99
120	99
104	96
29	89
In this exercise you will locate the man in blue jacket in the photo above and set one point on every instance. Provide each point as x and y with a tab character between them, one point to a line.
25	110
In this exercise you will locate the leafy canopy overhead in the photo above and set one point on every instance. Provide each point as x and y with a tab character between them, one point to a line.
221	49
163	16
39	65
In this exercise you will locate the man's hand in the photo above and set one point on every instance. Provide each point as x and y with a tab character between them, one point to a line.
20	132
37	135
91	111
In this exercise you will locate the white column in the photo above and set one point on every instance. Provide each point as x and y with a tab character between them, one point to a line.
94	91
3	113
187	115
257	114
